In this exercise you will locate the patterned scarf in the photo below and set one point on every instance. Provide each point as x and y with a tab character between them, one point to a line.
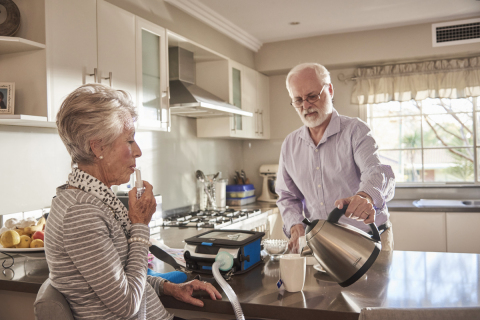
83	181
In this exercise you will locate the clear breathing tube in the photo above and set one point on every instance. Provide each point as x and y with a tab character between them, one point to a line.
224	262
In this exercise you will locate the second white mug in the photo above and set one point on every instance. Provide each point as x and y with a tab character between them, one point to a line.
292	272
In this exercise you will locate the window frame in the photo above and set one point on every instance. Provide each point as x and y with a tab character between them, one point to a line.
363	114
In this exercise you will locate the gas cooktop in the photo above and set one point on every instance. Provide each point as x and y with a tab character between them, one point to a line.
209	218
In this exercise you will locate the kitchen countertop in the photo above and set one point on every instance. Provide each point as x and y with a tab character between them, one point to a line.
402	279
393	205
407	205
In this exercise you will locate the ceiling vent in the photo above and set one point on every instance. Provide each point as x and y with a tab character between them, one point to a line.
455	32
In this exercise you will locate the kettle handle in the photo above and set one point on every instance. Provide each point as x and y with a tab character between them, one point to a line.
336	214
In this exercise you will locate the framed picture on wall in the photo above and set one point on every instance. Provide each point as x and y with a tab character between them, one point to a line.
7	97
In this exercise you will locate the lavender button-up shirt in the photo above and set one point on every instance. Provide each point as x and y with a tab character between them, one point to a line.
311	178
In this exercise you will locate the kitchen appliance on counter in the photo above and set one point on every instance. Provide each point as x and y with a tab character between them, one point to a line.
269	174
244	246
345	252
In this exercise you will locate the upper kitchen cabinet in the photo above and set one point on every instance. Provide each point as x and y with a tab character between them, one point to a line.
90	41
152	76
242	87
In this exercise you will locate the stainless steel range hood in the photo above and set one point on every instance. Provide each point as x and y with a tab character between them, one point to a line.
189	100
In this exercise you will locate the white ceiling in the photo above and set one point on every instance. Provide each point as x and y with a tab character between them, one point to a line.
269	20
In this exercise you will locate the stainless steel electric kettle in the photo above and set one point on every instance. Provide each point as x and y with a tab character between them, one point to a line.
345	252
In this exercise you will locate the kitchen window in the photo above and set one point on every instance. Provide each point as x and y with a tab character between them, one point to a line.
425	117
429	141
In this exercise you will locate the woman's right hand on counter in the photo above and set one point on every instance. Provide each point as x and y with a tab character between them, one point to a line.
141	210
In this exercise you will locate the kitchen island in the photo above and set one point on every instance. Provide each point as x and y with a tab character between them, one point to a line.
401	279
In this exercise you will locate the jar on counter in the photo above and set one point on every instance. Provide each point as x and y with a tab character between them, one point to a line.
221	193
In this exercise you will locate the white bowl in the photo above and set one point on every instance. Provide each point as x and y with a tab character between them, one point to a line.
275	247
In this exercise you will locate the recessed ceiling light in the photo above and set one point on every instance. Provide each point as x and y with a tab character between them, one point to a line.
294	23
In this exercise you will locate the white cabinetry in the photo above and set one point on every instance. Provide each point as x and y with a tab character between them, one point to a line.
116	47
71	36
239	85
463	232
152	76
88	41
419	231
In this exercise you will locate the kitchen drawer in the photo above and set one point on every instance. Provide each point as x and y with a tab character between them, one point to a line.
419	231
463	232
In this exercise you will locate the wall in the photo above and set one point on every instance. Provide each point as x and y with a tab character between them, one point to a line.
353	49
34	162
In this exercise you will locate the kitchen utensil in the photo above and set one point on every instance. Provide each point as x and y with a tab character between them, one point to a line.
244	176
201	177
292	272
345	252
221	193
239	178
275	247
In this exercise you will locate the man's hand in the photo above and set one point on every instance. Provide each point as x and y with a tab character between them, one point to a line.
295	232
183	291
360	207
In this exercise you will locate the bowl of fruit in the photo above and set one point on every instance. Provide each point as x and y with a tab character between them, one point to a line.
22	235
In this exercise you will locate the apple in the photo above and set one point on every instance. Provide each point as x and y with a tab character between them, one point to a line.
38	235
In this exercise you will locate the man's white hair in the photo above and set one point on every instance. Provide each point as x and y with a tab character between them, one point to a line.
321	72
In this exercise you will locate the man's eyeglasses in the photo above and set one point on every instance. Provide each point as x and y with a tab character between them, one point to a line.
310	99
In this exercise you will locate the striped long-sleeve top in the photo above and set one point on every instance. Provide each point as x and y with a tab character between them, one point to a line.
312	177
93	266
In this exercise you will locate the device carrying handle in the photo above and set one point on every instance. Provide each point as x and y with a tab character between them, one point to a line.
336	214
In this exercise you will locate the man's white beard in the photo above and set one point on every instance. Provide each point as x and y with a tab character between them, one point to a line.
320	117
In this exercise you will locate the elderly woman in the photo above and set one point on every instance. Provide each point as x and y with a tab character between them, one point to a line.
96	249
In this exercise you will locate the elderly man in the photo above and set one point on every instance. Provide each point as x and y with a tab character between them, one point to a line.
331	161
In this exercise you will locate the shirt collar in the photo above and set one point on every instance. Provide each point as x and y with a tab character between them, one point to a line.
332	128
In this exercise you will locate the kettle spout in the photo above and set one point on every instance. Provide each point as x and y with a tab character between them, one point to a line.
306	251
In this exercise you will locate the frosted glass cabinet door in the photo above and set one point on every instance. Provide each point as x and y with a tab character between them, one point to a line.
152	87
71	36
116	47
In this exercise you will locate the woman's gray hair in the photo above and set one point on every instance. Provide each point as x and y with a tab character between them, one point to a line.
93	112
321	72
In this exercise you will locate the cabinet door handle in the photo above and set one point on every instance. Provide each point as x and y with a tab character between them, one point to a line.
110	78
256	121
94	74
261	113
167	95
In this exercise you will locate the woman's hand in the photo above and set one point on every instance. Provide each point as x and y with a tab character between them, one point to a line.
141	210
184	291
360	207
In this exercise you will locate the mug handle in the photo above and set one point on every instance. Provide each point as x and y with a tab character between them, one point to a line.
336	214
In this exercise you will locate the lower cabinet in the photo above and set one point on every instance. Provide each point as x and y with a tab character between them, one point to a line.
463	232
419	231
436	231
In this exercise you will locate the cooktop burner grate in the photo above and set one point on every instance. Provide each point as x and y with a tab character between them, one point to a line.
209	218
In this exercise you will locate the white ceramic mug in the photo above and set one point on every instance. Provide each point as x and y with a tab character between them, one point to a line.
292	272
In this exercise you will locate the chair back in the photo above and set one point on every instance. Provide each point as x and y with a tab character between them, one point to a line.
50	304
